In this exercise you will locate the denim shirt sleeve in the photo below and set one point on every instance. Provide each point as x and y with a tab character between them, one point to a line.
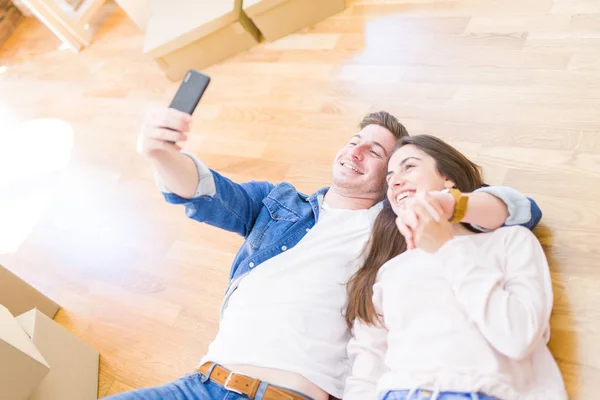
521	209
220	202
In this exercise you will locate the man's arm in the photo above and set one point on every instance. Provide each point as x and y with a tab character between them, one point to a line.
183	179
485	210
178	174
489	208
157	142
496	206
492	207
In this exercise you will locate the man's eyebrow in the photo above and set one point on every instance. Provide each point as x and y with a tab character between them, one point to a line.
382	148
374	142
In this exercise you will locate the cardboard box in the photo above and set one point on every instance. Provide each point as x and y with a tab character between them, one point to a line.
137	10
23	8
73	364
278	18
22	366
195	34
19	297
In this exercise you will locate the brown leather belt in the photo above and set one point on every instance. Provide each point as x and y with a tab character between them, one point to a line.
245	385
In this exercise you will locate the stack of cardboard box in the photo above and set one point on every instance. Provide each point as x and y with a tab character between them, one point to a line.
278	18
39	359
10	16
193	34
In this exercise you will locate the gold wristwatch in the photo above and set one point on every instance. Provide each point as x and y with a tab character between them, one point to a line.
460	206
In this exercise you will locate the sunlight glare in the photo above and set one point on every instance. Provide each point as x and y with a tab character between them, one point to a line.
37	147
32	150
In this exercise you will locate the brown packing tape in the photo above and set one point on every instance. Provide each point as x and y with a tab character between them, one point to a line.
249	26
18	296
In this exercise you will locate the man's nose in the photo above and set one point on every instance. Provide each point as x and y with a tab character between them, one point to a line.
357	153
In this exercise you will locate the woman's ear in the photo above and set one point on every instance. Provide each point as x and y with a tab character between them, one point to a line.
449	184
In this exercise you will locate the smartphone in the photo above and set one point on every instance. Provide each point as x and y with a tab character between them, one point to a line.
190	92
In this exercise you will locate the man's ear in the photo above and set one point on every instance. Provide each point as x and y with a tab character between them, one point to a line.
449	184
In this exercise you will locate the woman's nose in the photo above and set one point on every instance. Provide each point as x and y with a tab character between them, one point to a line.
396	180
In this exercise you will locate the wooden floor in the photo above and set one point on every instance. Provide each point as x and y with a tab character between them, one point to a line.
515	84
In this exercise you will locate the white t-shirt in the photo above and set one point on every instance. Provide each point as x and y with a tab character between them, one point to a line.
288	314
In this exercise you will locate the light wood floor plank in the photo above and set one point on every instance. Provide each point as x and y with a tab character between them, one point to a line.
514	84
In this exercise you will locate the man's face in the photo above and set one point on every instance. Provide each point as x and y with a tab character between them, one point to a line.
360	167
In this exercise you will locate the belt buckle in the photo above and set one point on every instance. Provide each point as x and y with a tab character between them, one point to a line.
226	384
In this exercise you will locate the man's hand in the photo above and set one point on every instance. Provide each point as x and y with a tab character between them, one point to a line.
161	130
157	141
421	217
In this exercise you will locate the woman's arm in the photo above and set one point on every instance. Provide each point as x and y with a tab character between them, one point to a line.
511	303
492	207
486	211
366	350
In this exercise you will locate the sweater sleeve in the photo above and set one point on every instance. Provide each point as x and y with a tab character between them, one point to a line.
511	300
366	350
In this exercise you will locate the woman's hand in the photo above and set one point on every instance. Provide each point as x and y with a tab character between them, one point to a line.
423	223
446	201
431	234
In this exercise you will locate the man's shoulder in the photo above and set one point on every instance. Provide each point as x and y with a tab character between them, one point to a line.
287	189
285	198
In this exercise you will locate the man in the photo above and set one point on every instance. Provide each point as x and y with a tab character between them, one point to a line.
282	334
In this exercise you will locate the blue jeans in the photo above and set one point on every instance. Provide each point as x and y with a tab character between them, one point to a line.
193	386
421	394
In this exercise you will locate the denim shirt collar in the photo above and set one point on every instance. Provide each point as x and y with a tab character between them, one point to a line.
315	200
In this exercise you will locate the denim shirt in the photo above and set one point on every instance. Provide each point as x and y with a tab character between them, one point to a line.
274	218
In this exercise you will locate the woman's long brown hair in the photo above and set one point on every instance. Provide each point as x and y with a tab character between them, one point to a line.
386	242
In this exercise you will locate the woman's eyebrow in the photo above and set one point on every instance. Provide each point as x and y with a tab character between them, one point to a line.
402	163
409	158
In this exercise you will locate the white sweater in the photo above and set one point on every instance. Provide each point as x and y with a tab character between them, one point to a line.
473	317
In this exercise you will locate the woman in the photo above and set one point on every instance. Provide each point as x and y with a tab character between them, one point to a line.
462	316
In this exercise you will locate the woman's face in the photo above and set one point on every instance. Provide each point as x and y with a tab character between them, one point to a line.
411	170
